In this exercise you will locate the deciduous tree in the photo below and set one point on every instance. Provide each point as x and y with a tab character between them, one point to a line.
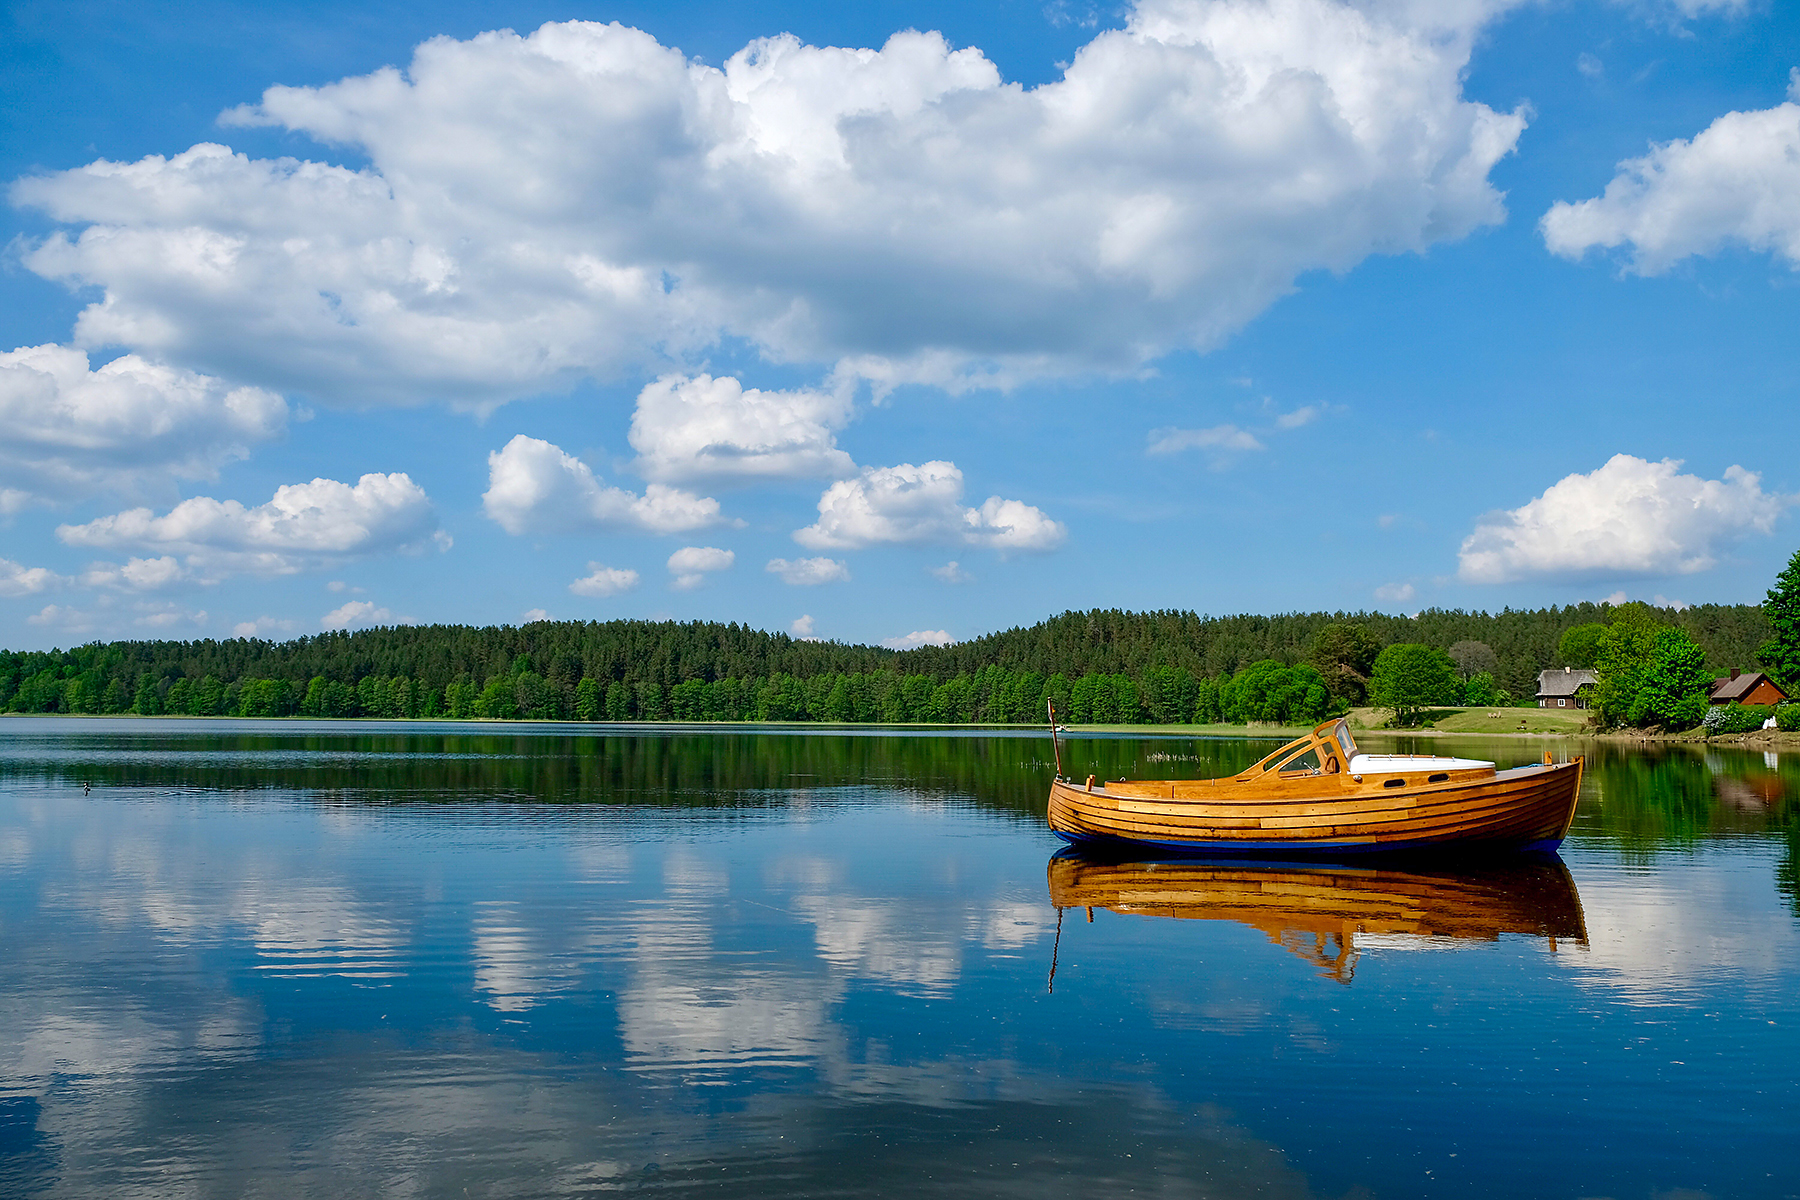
1780	655
1409	677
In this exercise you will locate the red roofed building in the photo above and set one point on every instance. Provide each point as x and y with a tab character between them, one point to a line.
1745	687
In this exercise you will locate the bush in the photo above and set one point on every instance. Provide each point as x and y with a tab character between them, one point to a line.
1735	718
1787	718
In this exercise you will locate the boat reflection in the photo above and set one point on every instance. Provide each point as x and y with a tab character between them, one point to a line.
1329	914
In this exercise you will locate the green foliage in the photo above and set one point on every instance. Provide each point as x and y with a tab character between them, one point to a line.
1163	667
498	700
1787	718
1269	691
1580	645
147	701
1626	652
1671	689
587	700
1780	655
1409	677
1479	691
1343	653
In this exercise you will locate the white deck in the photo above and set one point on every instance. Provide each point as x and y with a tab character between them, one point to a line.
1376	764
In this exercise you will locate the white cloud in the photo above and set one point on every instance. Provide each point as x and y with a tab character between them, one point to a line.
534	487
583	200
705	427
908	503
691	564
305	525
68	432
805	572
137	574
261	626
602	581
951	572
63	618
1219	437
1396	593
802	628
16	579
338	585
534	615
1737	183
1628	518
1304	415
919	637
169	616
357	614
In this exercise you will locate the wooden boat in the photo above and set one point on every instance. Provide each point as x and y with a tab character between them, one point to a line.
1327	915
1319	796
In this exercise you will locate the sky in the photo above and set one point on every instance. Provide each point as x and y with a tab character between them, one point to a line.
889	323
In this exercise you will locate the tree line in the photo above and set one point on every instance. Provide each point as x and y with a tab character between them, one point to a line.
1098	667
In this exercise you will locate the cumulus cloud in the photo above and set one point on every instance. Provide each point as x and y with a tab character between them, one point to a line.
137	574
16	579
805	572
919	637
802	628
923	503
602	581
705	427
535	487
690	565
1629	518
1737	183
67	431
951	572
1396	593
356	614
305	525
583	200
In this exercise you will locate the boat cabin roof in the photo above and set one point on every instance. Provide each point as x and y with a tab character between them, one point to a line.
1327	749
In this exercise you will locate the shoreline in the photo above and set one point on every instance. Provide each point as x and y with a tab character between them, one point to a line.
1769	738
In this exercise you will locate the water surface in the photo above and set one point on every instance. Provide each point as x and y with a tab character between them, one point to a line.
359	959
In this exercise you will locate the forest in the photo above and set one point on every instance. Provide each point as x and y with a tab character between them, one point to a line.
1099	667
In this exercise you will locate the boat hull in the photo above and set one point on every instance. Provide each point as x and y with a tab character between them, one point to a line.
1325	817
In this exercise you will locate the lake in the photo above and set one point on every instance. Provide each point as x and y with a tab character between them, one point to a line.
363	959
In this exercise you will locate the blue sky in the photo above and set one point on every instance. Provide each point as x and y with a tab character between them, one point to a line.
320	316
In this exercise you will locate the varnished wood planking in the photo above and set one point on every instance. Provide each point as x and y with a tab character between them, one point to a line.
1529	804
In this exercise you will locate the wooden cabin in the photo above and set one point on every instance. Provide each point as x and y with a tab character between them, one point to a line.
1565	687
1745	687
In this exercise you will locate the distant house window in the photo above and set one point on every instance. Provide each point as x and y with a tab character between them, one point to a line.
1562	704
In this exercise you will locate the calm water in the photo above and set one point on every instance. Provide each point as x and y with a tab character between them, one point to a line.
288	959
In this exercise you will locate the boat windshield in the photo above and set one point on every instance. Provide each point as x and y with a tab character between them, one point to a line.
1321	741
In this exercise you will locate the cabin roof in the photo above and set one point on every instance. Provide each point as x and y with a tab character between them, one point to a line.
1737	686
1564	681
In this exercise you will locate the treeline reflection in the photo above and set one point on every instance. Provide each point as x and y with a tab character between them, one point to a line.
1646	799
